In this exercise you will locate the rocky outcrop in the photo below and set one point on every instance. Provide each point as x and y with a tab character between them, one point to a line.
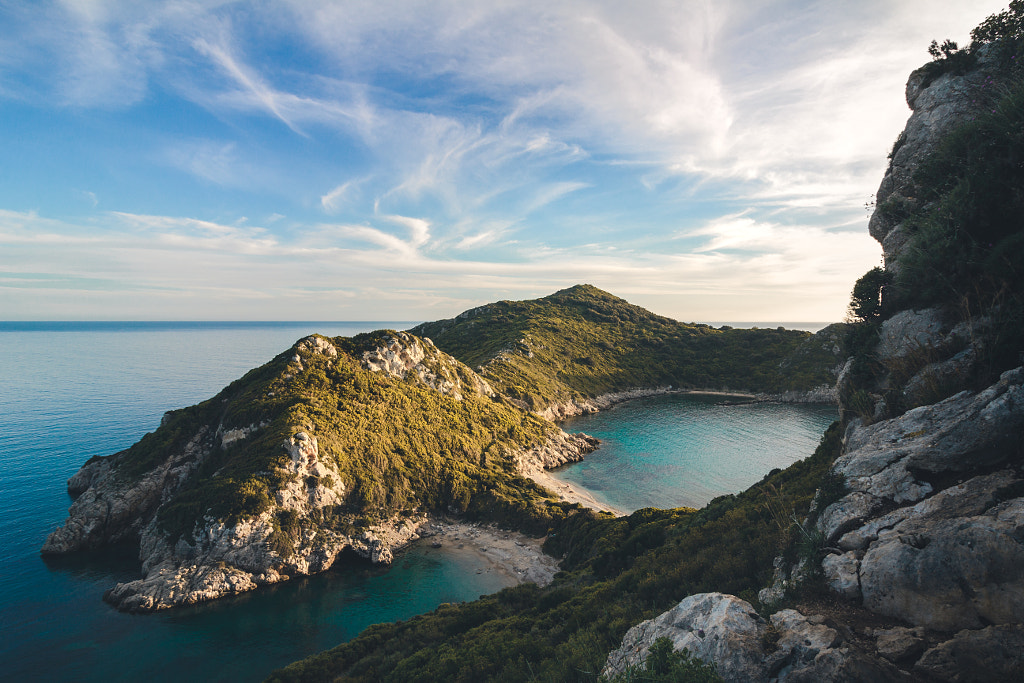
994	653
295	531
584	406
559	449
222	558
402	355
111	509
727	632
939	105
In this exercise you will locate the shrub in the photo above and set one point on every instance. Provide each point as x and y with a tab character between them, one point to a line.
664	665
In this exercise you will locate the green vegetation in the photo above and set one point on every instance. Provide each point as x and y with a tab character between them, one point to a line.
583	342
616	573
664	665
398	445
964	217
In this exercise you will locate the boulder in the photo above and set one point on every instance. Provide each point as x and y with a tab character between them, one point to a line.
716	628
842	574
900	645
949	574
994	653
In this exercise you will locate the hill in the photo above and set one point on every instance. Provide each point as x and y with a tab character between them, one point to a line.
582	342
344	445
894	552
335	446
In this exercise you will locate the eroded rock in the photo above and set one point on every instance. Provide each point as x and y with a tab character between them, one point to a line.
994	653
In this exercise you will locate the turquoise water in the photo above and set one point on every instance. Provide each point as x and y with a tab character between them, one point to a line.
68	392
680	450
72	391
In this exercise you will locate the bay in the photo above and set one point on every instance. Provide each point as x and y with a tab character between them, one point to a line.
681	450
69	391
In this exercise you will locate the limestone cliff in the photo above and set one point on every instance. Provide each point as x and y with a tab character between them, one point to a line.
918	530
336	446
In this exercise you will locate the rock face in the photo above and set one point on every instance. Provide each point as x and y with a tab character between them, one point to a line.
405	354
926	534
559	449
933	521
295	532
109	510
938	107
725	631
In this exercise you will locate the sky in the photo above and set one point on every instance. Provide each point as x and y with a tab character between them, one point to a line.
311	160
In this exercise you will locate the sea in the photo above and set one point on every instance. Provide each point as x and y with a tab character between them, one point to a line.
69	391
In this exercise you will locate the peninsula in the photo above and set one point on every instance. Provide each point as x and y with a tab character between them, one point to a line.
349	445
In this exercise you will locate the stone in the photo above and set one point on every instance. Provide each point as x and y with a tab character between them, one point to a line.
963	432
900	645
938	107
909	332
716	628
994	653
405	355
842	574
847	512
949	574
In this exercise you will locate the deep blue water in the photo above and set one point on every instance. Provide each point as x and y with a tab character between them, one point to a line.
69	391
684	450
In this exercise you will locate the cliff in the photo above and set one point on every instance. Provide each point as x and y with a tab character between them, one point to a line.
894	552
336	446
916	536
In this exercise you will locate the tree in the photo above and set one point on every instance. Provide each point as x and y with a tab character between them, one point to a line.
868	300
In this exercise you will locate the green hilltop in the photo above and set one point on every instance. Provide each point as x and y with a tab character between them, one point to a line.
339	442
582	342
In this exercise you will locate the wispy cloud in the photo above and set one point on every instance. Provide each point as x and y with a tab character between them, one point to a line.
693	155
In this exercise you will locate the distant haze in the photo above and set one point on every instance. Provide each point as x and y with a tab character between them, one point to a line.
364	160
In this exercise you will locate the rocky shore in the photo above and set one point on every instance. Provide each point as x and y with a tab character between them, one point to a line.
515	556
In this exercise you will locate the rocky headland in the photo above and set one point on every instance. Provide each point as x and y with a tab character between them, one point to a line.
192	550
916	535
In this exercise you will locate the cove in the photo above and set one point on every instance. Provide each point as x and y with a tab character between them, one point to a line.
72	391
680	450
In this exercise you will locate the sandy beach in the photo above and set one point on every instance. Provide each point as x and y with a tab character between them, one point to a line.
512	554
571	493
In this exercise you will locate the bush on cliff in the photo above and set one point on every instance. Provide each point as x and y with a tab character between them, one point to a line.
616	573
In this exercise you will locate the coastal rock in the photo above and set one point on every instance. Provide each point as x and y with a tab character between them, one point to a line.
558	449
909	332
557	412
724	631
994	653
949	574
404	354
842	574
891	461
717	628
938	105
900	645
317	344
924	547
113	509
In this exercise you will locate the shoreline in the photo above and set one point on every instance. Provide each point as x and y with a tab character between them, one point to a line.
512	554
573	493
559	413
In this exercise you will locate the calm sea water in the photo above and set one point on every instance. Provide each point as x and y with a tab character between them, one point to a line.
684	450
72	391
68	392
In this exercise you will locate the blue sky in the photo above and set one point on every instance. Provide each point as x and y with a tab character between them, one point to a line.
408	160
